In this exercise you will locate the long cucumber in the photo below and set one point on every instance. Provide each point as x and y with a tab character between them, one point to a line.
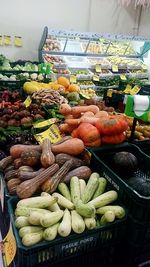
49	219
63	202
64	228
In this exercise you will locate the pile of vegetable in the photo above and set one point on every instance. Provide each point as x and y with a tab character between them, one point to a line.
46	97
22	76
142	131
42	167
73	209
92	126
7	96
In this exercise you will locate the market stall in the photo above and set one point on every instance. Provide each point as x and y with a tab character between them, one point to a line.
74	187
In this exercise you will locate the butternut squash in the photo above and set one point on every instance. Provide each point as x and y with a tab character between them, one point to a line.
26	175
51	184
73	146
30	158
82	172
47	157
16	150
29	187
62	158
5	162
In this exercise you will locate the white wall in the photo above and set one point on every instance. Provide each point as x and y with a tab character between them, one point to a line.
28	18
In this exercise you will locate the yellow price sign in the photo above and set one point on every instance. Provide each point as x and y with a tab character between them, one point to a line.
98	68
44	123
18	41
135	90
73	79
53	134
128	89
109	92
9	245
123	77
96	78
28	102
1	40
115	68
7	40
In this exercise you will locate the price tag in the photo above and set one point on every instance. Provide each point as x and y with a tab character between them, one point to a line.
109	92
128	89
98	68
9	244
18	41
135	90
53	134
7	40
44	123
2	194
95	78
1	40
115	68
28	102
123	77
77	38
73	79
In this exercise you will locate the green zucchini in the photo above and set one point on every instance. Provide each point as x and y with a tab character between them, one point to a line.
85	210
82	186
32	239
101	187
75	189
29	229
108	217
24	211
64	228
90	223
90	187
118	210
21	221
104	199
77	222
64	190
63	202
53	207
50	233
37	202
50	219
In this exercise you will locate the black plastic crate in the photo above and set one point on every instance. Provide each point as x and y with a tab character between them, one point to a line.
138	205
102	241
137	255
138	233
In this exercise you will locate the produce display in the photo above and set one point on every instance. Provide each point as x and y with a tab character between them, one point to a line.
53	59
93	126
58	192
46	97
52	44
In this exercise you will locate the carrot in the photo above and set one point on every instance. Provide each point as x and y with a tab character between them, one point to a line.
65	109
73	146
73	122
66	128
81	109
69	116
102	114
88	114
91	120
